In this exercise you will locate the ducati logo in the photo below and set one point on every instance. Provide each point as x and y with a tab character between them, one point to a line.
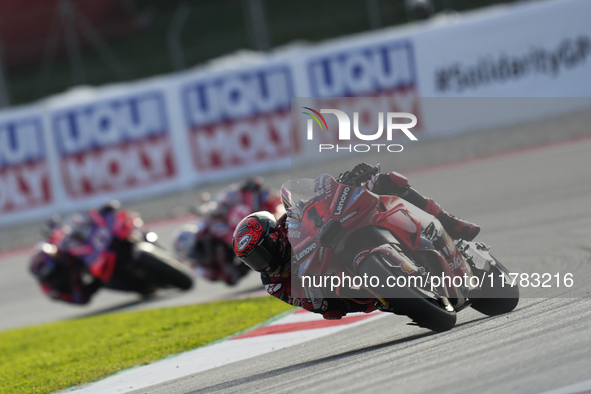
244	241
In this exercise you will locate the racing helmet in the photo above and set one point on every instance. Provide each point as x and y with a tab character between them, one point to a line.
185	240
43	262
256	242
79	226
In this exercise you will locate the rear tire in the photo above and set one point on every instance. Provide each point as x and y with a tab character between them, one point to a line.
426	309
497	299
163	268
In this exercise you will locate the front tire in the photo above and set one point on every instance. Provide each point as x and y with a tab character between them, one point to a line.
425	308
163	268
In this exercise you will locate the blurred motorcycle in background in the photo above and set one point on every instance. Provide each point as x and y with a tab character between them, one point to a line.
104	248
206	244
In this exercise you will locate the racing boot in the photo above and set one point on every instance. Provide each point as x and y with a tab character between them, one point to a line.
397	185
455	227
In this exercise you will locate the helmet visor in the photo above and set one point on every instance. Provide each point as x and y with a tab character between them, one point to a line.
261	257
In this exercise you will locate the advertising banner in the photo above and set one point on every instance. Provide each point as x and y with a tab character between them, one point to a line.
25	180
536	49
113	145
362	70
238	118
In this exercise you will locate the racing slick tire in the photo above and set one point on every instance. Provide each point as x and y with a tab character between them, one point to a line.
425	308
162	267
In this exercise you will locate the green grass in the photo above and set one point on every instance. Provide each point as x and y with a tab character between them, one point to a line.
51	357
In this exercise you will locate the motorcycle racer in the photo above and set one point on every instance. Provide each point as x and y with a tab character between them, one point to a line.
262	243
75	261
208	255
91	250
207	244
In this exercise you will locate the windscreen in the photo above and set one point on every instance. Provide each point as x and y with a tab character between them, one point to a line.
297	191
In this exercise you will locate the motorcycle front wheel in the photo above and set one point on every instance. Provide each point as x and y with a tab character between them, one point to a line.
425	308
162	268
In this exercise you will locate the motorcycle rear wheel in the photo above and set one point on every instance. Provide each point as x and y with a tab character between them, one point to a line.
496	298
426	309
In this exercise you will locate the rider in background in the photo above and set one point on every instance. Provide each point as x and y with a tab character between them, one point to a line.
207	245
261	242
81	255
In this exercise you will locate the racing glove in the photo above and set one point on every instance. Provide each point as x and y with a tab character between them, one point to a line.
361	173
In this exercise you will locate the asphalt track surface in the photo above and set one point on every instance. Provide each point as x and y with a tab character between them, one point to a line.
535	213
534	209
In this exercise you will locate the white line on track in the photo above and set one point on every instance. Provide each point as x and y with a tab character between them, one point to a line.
577	388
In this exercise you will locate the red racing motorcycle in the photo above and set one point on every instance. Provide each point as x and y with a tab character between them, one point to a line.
350	243
114	249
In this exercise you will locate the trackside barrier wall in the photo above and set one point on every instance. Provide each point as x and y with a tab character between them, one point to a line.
232	118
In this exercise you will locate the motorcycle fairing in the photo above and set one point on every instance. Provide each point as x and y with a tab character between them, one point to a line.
93	249
328	215
410	223
403	224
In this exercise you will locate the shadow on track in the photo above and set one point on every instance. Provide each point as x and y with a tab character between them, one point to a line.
307	364
159	296
336	357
